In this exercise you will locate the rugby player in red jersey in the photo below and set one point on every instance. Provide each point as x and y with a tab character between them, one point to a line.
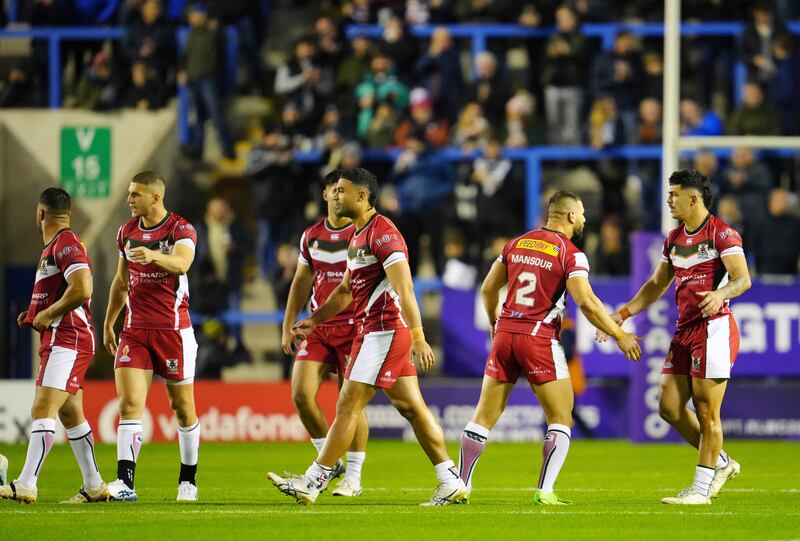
389	326
59	310
321	266
156	249
539	268
704	256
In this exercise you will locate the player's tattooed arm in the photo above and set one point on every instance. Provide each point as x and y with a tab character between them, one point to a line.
178	262
301	286
739	282
79	291
339	299
490	292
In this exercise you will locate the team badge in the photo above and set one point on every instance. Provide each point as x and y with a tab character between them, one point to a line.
702	251
163	246
172	366
125	358
695	363
360	253
668	362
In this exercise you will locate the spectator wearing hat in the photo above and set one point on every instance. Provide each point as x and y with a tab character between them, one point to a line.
421	120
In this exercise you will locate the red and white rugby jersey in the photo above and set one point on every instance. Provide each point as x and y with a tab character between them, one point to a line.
696	258
538	265
324	249
156	298
375	247
62	256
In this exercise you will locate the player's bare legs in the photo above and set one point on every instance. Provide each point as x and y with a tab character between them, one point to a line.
407	399
307	378
181	399
132	384
81	439
557	401
356	455
676	392
492	403
353	398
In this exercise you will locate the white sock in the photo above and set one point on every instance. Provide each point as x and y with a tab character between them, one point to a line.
189	443
318	443
446	473
554	453
82	442
43	432
317	474
355	460
129	439
703	476
722	459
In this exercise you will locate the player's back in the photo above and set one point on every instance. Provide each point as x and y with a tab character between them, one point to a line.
538	265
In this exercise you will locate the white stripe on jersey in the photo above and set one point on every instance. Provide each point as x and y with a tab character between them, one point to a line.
181	294
395	257
332	258
733	250
692	260
557	310
368	260
74	267
185	242
46	272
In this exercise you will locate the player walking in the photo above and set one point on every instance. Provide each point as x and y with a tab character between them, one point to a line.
539	267
156	249
59	310
321	266
378	283
705	256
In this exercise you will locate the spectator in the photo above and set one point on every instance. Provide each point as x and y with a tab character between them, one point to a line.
439	72
18	89
201	71
214	350
148	37
564	79
357	12
784	88
292	130
223	244
695	121
330	45
613	256
491	173
425	182
145	92
422	121
749	181
618	74
520	130
401	48
416	12
757	43
459	272
653	84
281	280
380	84
351	71
98	89
380	132
302	82
605	125
247	18
490	88
487	11
648	130
777	238
754	117
707	164
472	129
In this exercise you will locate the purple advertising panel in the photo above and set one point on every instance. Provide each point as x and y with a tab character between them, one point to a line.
752	409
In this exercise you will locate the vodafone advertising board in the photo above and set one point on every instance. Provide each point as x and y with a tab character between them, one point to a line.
227	411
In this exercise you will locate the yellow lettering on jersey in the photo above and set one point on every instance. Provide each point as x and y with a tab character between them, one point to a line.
538	246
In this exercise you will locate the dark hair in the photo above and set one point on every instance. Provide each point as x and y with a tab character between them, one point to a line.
333	177
691	178
148	177
560	196
362	177
56	201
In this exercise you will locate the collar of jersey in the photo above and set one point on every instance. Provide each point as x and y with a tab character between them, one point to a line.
699	228
159	224
358	231
554	231
56	236
331	228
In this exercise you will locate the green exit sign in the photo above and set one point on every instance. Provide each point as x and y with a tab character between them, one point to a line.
86	161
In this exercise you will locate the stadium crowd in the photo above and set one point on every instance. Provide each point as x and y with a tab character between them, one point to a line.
344	98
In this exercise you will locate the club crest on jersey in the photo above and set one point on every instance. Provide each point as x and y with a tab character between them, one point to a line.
360	253
668	362
43	265
124	358
538	246
163	246
695	363
315	246
702	251
172	366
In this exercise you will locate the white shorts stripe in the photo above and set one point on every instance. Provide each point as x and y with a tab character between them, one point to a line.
371	356
559	360
60	363
718	348
189	352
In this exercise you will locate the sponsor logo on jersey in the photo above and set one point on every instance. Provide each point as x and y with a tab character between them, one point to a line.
65	251
335	236
147	236
124	358
172	366
385	238
39	296
74	382
538	246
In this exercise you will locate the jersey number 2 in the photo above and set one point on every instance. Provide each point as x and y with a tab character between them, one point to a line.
528	280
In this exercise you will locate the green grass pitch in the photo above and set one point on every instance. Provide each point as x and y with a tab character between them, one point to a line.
615	487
